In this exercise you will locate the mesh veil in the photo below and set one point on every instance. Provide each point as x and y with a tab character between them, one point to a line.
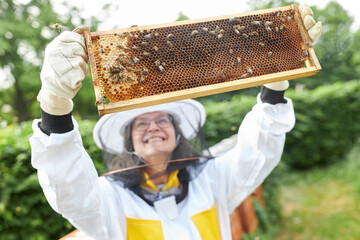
189	157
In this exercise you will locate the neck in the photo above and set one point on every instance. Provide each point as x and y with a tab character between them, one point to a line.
158	167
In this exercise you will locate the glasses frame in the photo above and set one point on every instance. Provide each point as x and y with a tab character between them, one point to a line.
155	120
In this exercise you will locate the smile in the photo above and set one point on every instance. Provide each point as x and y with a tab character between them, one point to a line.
154	139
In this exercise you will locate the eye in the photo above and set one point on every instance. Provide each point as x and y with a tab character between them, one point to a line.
163	122
141	124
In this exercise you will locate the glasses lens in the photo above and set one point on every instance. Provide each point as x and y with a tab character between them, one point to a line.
163	122
143	124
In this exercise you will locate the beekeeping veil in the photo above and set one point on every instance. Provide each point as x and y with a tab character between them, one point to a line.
112	134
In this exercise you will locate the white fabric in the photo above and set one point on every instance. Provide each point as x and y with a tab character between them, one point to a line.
98	207
314	30
65	66
53	104
278	86
108	131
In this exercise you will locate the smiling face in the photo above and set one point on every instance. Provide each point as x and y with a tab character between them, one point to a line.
153	136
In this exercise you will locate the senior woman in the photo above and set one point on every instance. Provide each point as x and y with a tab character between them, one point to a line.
169	189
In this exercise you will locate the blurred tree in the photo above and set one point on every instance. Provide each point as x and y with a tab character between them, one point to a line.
355	61
25	30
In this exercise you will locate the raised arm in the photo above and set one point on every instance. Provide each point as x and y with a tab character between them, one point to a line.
66	172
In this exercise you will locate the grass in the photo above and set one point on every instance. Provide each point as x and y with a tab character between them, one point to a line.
322	203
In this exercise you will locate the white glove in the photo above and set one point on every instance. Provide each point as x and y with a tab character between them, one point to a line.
314	30
65	66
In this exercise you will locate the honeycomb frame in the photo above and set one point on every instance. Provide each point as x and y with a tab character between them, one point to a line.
126	62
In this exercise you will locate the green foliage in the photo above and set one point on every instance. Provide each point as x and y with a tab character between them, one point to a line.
25	30
323	201
327	124
223	118
24	211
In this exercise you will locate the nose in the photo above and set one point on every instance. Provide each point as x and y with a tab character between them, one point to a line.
153	126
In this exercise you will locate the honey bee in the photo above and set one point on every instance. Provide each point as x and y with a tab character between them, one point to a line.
156	48
205	29
142	78
268	23
276	29
170	36
241	28
213	32
231	51
255	33
57	26
131	78
193	33
144	43
130	69
289	19
157	63
268	29
135	47
217	29
231	19
128	35
248	69
238	60
276	13
220	36
244	75
256	23
148	36
169	43
146	54
156	34
237	31
306	53
270	54
261	44
161	68
245	35
102	100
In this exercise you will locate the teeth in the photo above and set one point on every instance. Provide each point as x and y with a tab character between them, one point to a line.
155	139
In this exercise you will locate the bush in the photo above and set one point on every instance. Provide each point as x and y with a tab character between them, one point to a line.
24	211
327	124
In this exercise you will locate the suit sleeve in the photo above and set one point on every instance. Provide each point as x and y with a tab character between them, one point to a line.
260	144
69	179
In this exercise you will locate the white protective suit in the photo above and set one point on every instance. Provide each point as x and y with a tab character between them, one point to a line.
104	210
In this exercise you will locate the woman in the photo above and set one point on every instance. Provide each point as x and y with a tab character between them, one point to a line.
159	196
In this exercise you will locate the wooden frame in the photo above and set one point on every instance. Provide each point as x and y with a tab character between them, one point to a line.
312	66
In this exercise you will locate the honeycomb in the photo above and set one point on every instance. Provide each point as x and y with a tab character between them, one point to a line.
135	63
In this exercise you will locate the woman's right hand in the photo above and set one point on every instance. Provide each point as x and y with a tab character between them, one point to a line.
65	66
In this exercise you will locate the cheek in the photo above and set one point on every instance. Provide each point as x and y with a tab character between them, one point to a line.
137	142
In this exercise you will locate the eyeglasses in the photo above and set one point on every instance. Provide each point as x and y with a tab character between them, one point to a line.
142	124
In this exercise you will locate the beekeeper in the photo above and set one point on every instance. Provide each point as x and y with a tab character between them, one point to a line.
170	188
